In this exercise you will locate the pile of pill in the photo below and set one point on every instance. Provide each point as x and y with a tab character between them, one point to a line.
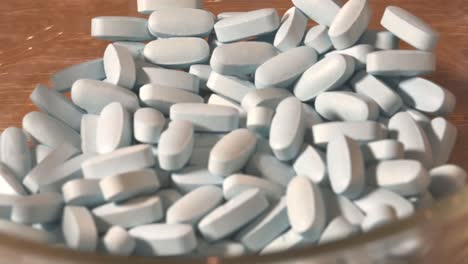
244	133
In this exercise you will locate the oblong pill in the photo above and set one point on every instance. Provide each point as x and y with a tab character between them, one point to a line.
37	208
79	229
287	129
118	241
177	53
320	11
180	22
164	239
409	28
382	40
162	98
174	79
202	72
229	86
119	161
114	129
117	28
238	183
135	48
386	149
148	124
349	24
120	187
426	96
306	209
119	66
403	207
241	58
361	131
359	52
318	39
287	240
267	97
193	177
442	136
88	133
26	232
63	80
291	31
50	131
387	99
57	105
405	129
207	118
311	163
346	106
194	205
223	15
93	96
232	215
446	180
270	168
248	24
176	145
231	152
400	63
338	205
9	183
148	6
378	216
284	69
15	152
82	192
220	100
259	120
339	228
328	74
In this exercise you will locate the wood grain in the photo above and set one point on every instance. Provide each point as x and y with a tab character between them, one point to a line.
38	38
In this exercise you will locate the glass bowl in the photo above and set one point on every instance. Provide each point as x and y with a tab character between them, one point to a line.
38	38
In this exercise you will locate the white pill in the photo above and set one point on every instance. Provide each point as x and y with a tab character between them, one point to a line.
337	205
362	131
238	183
89	124
202	72
207	118
284	69
37	208
162	98
168	197
345	167
446	180
409	28
328	74
131	213
377	197
220	100
164	239
234	214
174	79
423	120
148	6
382	40
9	183
386	149
15	152
346	106
180	22
49	131
350	23
311	163
306	208
321	11
289	239
359	52
403	128
287	129
194	205
146	73
148	124
317	38
63	80
246	25
400	63
222	248
338	228
442	136
42	169
114	129
270	168
241	58
426	96
178	53
231	87
79	229
223	15
117	28
176	145
26	232
231	152
385	97
120	161
267	97
259	120
82	192
117	241
291	31
119	66
57	105
93	96
124	186
135	48
378	216
412	179
193	177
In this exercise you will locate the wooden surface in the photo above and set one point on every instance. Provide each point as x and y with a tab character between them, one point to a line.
38	37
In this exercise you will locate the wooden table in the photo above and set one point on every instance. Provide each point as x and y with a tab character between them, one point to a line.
40	37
